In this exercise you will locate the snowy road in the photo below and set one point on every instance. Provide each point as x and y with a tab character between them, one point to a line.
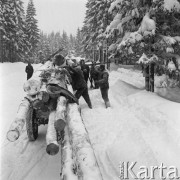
140	126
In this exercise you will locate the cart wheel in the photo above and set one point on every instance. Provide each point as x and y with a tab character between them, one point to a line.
32	126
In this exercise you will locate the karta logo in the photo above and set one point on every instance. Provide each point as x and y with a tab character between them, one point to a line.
130	170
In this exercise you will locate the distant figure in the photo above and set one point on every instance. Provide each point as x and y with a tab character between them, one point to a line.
79	84
85	69
103	82
29	70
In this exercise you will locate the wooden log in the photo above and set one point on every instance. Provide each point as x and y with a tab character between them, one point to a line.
51	136
32	86
60	121
18	124
83	154
67	163
86	166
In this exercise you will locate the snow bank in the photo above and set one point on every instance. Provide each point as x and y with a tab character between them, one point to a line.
139	127
149	137
164	86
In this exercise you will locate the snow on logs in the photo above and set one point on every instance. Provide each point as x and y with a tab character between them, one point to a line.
18	124
85	162
67	163
56	124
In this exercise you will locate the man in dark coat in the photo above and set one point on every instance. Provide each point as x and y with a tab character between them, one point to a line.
79	84
85	70
29	70
104	84
94	76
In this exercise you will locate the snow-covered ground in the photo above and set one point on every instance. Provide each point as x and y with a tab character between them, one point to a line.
140	126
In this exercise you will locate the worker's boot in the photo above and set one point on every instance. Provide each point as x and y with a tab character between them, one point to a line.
107	104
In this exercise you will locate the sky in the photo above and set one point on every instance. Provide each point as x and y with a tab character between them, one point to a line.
59	15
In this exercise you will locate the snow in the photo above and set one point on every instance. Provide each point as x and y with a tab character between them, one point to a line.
144	59
169	40
171	4
114	5
84	156
147	24
139	126
171	66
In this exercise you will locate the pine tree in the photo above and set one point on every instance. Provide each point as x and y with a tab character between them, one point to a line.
47	50
95	23
129	18
21	38
13	38
65	43
32	28
72	41
78	43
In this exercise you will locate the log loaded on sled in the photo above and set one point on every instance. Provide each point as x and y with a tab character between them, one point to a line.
45	103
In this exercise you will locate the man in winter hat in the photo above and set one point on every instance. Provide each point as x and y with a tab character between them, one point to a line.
79	84
59	61
103	83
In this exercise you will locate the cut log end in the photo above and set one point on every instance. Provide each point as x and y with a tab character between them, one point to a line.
52	149
13	135
59	125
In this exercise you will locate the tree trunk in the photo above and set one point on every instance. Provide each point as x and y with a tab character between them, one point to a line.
67	162
56	125
51	136
60	121
86	165
18	124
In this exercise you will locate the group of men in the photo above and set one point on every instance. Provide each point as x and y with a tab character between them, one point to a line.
79	79
99	76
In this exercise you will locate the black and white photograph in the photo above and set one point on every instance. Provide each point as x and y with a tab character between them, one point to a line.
89	89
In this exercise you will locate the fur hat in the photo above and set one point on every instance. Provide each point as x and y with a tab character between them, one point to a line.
59	60
102	67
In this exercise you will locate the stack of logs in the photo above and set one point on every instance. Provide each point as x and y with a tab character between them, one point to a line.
78	159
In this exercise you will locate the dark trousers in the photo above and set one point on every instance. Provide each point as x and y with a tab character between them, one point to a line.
96	86
91	81
104	93
86	78
29	76
84	93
